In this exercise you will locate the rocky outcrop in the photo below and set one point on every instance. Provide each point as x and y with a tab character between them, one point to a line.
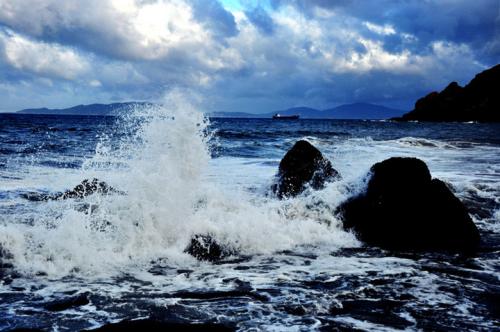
84	189
477	101
206	248
303	165
403	208
87	188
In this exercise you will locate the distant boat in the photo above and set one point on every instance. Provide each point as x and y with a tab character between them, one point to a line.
278	116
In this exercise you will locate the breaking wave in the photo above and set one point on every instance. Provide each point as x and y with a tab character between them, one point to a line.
161	160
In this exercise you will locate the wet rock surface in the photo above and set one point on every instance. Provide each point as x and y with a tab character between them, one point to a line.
153	325
68	302
403	208
84	189
207	248
375	297
303	165
6	267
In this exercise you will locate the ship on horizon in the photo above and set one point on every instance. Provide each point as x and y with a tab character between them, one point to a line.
278	116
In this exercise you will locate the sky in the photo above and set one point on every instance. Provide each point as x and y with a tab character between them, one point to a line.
241	55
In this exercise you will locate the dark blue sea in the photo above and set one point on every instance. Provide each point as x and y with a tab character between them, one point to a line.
74	264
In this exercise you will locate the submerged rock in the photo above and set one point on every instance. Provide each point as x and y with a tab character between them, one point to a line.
404	208
68	303
303	164
206	248
87	188
380	311
5	265
84	189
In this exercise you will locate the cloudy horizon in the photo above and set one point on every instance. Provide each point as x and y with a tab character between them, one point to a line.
247	56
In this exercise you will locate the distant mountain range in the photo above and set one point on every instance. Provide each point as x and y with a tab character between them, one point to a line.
93	109
348	111
364	111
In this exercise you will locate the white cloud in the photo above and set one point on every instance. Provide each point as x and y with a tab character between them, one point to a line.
127	29
374	57
385	30
95	83
42	58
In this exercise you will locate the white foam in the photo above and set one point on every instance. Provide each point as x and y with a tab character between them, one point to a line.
164	167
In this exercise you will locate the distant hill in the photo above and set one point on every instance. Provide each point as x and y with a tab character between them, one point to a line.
477	101
304	112
93	109
362	111
348	111
234	115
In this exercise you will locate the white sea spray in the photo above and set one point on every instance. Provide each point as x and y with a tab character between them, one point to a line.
162	165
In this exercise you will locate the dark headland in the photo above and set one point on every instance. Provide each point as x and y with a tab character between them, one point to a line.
478	101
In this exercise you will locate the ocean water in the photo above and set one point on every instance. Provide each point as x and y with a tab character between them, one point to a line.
183	174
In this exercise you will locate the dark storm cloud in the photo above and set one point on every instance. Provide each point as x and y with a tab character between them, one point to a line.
476	23
261	19
218	19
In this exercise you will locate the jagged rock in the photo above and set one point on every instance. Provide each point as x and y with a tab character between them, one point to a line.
303	165
403	208
477	101
85	188
206	248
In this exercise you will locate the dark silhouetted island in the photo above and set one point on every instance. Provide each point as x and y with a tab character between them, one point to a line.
477	101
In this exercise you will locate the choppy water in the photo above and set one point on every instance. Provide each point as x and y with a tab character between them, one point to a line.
298	270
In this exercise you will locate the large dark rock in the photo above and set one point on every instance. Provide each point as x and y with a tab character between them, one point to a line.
84	189
157	325
206	248
303	165
477	101
403	208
